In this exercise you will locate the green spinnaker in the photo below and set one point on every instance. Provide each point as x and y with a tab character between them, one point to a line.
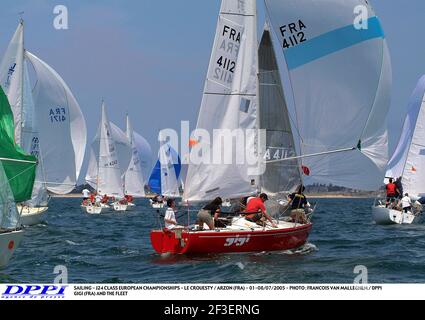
19	167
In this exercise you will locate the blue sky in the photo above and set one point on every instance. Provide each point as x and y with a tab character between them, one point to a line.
150	57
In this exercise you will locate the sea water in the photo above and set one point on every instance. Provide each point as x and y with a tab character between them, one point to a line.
115	248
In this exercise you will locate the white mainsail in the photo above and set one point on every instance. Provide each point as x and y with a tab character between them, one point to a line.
229	102
11	77
61	127
110	156
284	176
340	74
134	183
408	160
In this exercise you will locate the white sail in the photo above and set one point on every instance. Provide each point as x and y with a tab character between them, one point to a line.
341	78
134	182
61	126
145	153
104	172
284	176
408	160
229	102
124	149
30	142
11	77
9	216
169	182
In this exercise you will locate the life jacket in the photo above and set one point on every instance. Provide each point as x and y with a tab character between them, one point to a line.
391	189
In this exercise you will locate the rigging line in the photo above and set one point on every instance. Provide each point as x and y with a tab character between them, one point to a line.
56	183
22	172
313	155
16	160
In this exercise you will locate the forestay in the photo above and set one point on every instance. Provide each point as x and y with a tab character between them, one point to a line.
229	102
61	127
408	159
341	79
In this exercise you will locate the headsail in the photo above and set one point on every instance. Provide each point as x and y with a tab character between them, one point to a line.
61	127
11	77
340	74
134	181
165	174
274	118
18	166
229	102
408	159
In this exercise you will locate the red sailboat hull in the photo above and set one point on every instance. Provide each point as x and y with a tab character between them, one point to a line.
205	242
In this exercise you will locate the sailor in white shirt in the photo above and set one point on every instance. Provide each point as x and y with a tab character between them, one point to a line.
170	216
86	194
406	203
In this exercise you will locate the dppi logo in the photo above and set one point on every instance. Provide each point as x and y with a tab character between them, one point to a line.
34	292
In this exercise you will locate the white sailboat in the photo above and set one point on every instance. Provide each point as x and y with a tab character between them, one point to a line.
134	182
164	179
408	162
17	174
340	119
48	124
110	157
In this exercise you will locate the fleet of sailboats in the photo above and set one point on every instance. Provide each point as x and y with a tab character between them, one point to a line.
49	124
317	115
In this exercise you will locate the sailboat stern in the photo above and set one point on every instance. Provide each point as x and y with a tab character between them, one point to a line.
169	241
